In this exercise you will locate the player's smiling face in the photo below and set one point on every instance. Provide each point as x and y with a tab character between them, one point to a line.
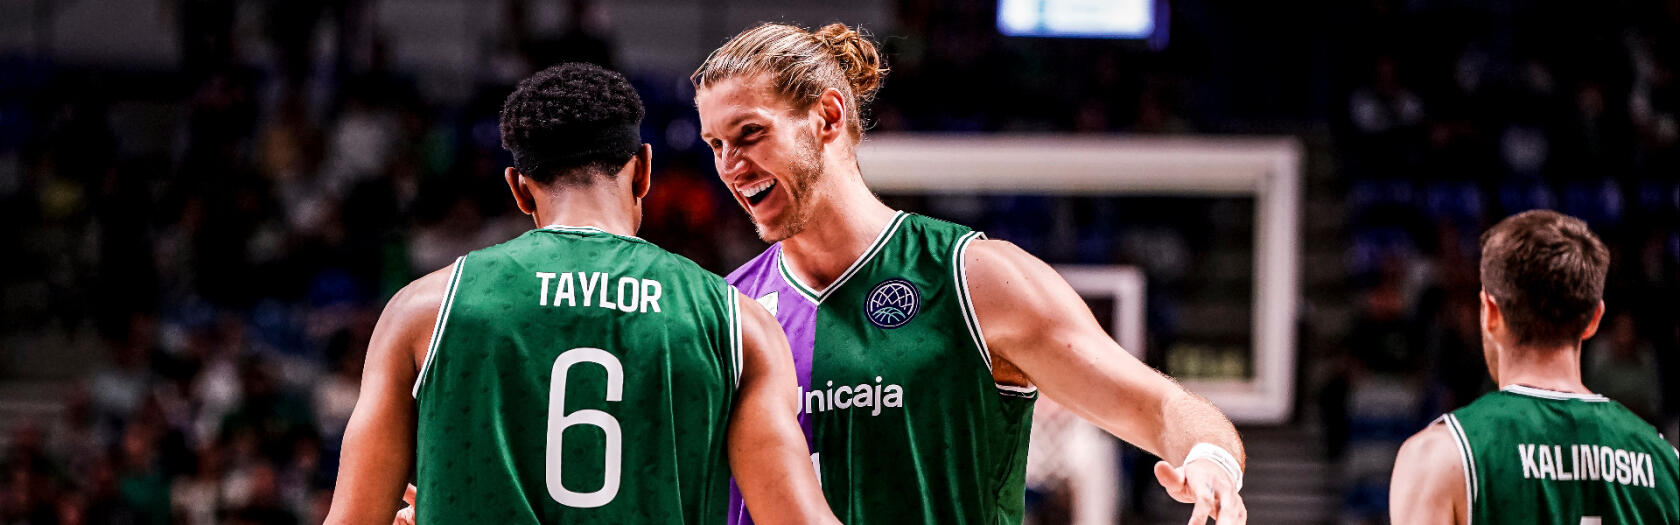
764	151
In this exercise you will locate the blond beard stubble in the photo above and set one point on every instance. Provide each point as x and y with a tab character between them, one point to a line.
807	171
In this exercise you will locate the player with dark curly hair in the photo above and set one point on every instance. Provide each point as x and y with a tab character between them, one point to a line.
575	374
572	123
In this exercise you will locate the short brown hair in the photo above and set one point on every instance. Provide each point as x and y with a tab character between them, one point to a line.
802	64
1546	271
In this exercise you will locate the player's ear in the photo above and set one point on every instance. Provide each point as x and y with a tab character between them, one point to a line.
520	186
831	113
1492	320
1592	326
641	173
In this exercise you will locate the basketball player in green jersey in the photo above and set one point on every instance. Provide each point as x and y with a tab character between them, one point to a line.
919	345
1542	449
575	374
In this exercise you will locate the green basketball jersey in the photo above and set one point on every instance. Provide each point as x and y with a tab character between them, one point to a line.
576	376
1538	456
896	393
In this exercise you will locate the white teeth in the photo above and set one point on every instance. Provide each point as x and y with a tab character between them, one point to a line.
754	190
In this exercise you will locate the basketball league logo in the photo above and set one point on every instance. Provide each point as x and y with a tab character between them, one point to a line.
892	303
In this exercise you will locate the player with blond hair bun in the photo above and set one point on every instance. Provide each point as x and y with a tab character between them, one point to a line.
920	346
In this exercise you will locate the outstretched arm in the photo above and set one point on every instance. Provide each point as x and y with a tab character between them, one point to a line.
378	452
1039	330
1428	485
767	451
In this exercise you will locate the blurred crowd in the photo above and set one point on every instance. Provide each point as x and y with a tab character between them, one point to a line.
230	230
1437	138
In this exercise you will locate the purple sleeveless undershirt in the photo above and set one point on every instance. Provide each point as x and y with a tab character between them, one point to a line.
797	314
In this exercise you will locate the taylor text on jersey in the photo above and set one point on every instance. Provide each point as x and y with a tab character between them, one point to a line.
628	294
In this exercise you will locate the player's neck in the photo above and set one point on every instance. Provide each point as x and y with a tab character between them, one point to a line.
1556	369
600	206
842	227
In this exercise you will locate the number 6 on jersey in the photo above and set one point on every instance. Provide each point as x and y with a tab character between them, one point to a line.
558	420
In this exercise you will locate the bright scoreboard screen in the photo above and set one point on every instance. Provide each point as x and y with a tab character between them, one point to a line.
1077	18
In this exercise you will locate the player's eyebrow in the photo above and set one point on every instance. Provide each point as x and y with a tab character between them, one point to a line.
732	123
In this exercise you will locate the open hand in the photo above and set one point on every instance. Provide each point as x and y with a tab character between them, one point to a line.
1206	485
406	515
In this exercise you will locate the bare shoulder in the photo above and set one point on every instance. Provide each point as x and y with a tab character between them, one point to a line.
992	257
421	297
1003	281
1428	486
1018	284
1024	307
999	271
759	331
406	324
1432	450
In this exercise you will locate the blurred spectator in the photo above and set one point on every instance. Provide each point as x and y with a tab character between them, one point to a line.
1386	335
119	388
218	389
270	416
335	395
258	499
1621	366
27	471
580	40
142	481
77	431
196	497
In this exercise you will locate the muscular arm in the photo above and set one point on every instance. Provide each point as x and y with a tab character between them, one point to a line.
1038	330
767	452
1035	323
378	452
1428	485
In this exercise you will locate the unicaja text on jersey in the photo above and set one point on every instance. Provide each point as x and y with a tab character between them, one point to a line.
865	396
626	294
1586	463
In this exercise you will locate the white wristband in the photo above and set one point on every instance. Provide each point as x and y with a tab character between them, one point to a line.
1219	456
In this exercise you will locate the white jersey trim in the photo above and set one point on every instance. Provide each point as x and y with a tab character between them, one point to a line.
1468	458
1553	394
441	323
959	274
585	229
1016	391
735	350
816	296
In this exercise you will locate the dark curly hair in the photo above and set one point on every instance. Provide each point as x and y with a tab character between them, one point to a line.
572	122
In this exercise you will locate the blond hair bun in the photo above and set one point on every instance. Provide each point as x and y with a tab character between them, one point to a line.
859	59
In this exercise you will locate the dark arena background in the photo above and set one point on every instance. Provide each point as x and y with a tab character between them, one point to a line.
206	203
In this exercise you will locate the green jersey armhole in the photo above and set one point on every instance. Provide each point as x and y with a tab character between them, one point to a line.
959	275
441	323
1469	464
731	294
